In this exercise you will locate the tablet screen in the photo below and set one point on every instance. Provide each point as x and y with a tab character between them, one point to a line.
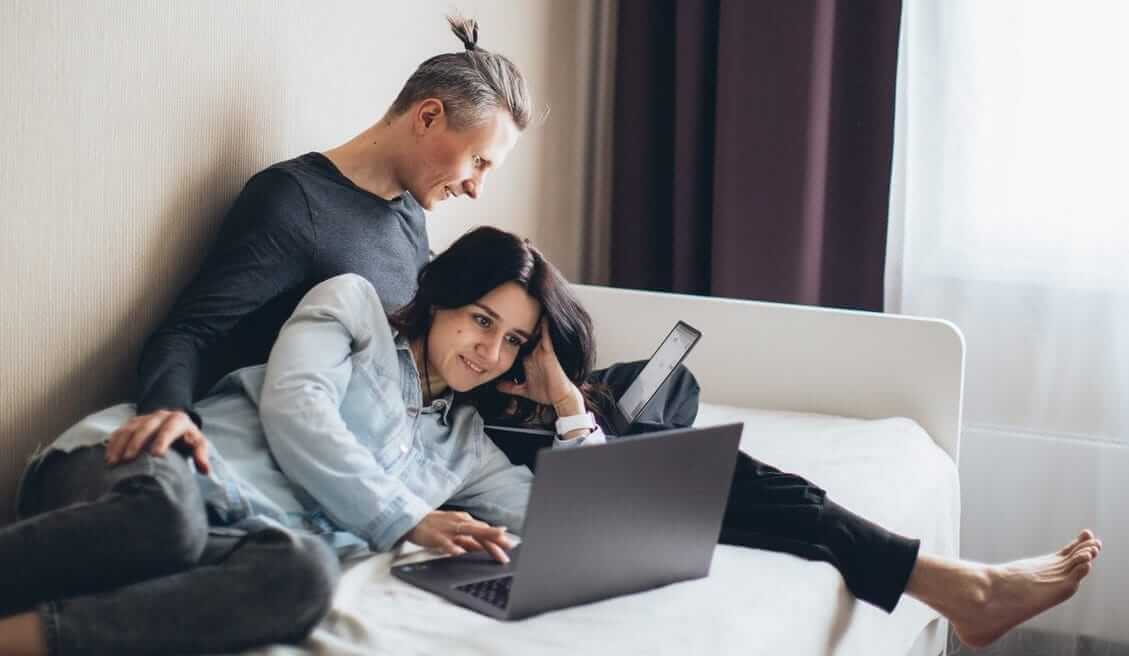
655	372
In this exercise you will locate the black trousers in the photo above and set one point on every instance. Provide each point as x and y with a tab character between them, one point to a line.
773	510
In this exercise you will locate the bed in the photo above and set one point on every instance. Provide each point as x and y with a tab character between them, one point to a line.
860	403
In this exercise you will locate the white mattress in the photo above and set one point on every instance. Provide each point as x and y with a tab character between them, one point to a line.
752	602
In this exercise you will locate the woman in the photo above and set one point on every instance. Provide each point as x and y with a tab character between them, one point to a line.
357	430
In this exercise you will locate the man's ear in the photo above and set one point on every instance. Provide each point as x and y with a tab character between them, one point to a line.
430	113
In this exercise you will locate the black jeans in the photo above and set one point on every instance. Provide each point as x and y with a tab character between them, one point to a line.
772	510
120	560
777	511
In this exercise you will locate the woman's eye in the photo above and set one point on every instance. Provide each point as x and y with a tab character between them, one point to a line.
482	321
477	160
514	341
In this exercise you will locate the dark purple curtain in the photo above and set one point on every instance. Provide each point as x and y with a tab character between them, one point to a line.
753	141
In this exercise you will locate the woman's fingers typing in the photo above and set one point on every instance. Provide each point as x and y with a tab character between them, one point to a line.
456	533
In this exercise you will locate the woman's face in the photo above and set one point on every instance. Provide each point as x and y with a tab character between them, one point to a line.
476	343
448	163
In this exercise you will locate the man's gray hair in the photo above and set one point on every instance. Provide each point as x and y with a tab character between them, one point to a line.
471	84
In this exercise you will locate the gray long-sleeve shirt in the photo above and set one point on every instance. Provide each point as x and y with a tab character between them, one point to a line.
294	224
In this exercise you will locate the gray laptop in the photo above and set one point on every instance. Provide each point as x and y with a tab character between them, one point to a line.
602	521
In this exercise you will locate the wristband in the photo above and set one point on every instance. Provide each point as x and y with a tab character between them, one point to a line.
566	425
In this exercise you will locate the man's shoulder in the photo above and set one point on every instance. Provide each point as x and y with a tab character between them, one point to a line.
296	172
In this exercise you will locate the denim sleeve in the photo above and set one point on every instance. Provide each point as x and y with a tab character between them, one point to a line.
265	248
498	491
306	378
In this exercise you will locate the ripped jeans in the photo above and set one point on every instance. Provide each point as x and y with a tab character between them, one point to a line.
121	560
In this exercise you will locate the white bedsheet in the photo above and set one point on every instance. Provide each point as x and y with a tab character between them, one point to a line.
752	602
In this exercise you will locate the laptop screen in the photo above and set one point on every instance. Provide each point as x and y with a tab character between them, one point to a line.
670	353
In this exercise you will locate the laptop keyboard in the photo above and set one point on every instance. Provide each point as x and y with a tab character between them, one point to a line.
493	591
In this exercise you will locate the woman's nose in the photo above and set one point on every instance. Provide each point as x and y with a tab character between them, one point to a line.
490	350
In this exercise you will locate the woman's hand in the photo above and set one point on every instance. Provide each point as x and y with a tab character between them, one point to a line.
455	533
545	381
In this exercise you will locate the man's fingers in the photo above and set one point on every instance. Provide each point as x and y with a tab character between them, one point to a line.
179	427
127	447
145	433
125	429
171	431
199	446
120	438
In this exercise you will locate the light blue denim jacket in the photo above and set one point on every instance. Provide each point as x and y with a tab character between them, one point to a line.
331	435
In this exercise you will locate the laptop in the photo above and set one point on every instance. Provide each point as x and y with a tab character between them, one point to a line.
521	444
602	521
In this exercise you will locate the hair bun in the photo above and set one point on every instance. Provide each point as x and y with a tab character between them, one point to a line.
466	29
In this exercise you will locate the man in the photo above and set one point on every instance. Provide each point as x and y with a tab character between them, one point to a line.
357	208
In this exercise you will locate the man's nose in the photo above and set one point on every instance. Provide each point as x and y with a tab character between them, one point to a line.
473	186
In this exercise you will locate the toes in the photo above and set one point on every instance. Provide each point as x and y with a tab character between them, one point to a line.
1082	537
1081	557
1082	571
1086	546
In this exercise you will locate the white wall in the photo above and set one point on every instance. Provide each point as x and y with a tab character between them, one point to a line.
129	126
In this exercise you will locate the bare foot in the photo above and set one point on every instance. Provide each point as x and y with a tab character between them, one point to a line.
1017	591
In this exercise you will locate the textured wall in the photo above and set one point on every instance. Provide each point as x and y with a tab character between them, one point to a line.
128	127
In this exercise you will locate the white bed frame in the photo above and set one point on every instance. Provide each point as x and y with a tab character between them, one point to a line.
808	359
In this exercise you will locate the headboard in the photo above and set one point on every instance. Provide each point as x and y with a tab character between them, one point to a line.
792	357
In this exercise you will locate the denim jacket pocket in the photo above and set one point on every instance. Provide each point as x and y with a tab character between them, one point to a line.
375	413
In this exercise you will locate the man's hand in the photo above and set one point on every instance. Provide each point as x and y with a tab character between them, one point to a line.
157	431
455	533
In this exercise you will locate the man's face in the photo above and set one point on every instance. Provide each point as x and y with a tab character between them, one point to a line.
450	163
477	343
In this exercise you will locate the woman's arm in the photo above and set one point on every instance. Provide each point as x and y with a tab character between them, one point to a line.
547	384
497	492
307	375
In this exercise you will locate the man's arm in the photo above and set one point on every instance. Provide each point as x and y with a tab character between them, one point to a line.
265	248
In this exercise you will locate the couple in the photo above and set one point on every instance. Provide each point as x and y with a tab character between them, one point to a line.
138	535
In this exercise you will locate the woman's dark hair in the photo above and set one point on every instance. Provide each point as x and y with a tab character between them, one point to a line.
480	261
472	84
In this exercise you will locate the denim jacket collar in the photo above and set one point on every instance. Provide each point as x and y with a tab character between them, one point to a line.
445	401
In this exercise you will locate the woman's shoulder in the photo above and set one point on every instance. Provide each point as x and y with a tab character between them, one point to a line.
351	300
350	288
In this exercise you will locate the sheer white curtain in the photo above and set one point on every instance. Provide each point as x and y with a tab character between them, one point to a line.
1009	216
